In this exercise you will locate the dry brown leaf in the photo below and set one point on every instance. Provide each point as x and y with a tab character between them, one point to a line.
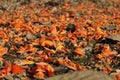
114	37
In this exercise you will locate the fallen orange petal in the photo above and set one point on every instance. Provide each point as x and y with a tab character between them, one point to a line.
47	43
4	72
46	67
17	69
3	50
39	75
79	51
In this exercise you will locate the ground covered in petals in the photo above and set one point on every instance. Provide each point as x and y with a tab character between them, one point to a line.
44	38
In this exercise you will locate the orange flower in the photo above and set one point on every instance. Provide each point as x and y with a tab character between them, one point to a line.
106	69
79	52
53	29
79	67
46	67
118	77
47	43
16	69
42	39
99	56
4	72
42	69
3	50
39	75
45	58
70	64
27	48
106	51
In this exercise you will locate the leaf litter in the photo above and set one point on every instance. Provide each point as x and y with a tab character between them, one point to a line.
41	39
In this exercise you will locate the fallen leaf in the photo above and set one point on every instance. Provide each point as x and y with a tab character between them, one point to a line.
114	37
23	62
30	36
